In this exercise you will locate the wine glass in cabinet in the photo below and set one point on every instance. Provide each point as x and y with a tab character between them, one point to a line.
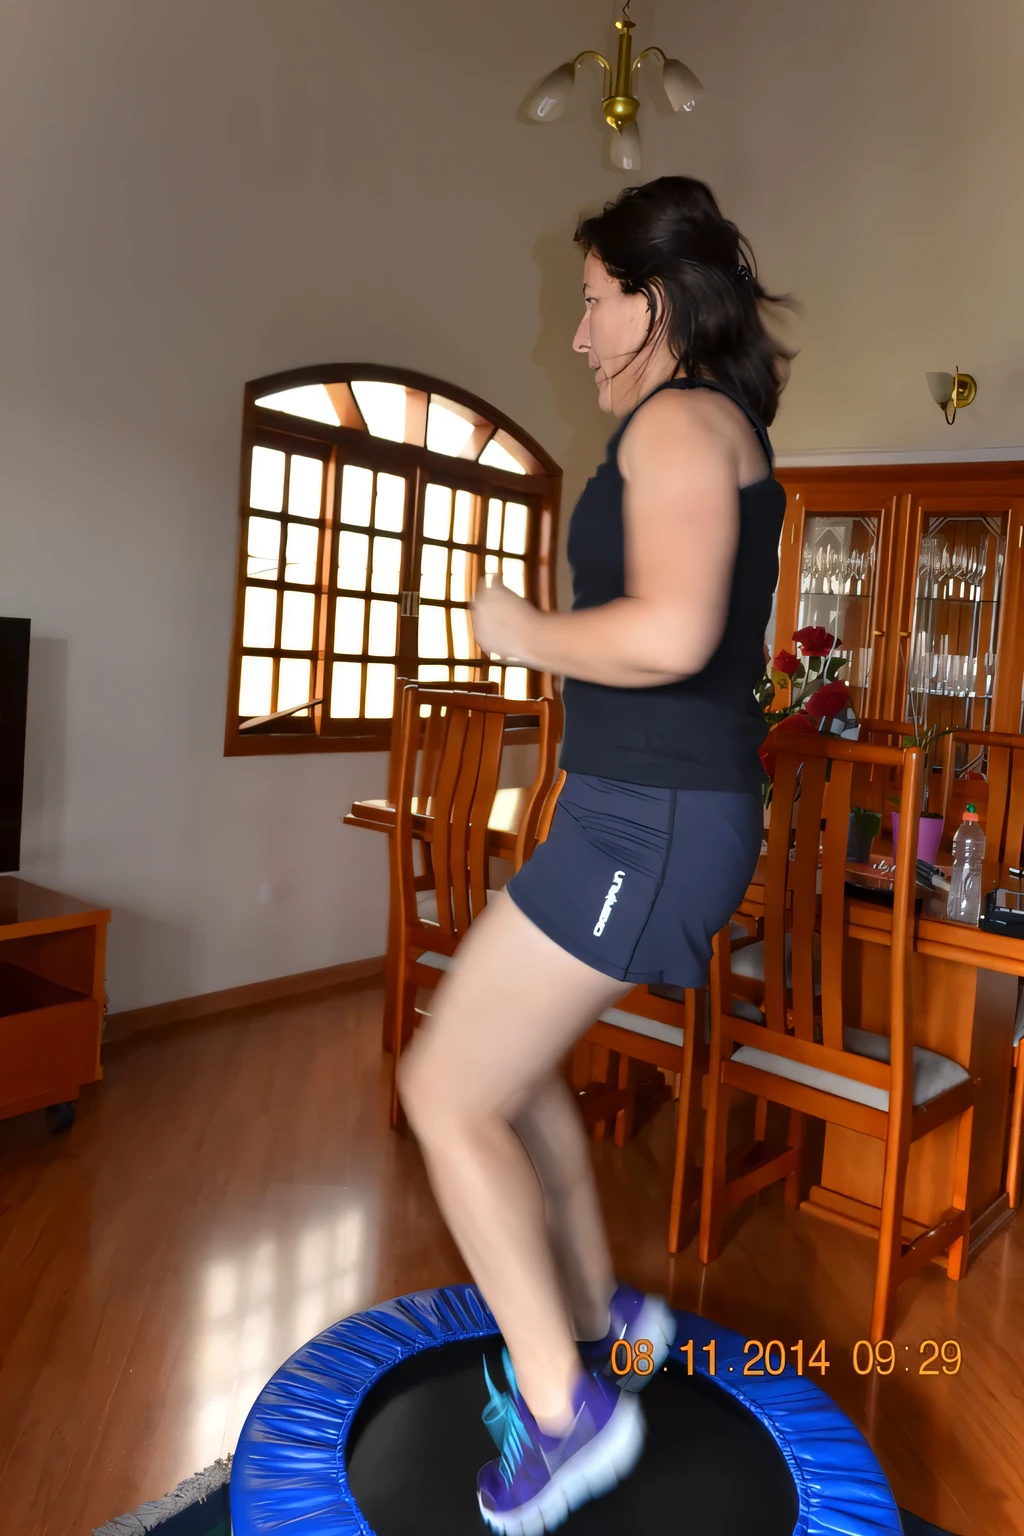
961	628
836	563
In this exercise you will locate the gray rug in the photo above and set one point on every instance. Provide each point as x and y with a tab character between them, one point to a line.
197	1507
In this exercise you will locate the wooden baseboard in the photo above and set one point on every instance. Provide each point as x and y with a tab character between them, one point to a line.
133	1021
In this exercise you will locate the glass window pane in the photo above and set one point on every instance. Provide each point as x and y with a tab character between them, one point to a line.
437	512
346	687
257	681
433	631
348	625
389	507
490	565
466	674
387	565
264	548
494	523
462	532
353	553
383	628
260	619
380	690
356	491
515	683
462	640
309	400
513	574
447	431
293	684
300	554
460	576
498	457
494	674
431	672
383	408
305	479
297	621
266	483
514	536
434	571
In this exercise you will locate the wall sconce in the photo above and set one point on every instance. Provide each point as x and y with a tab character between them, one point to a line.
620	105
951	390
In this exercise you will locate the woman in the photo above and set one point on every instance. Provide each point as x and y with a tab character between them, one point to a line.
674	550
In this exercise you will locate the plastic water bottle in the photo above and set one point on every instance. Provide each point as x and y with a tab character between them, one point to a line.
964	903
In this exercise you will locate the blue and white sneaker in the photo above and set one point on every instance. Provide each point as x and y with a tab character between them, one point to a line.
538	1479
634	1317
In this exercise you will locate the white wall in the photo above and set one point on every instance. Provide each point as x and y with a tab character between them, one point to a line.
872	152
198	194
195	195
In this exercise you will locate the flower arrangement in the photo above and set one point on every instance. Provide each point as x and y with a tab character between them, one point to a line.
802	693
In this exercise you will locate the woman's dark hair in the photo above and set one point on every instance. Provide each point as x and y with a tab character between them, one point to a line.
670	241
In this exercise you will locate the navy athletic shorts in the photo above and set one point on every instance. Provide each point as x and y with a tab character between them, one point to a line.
636	881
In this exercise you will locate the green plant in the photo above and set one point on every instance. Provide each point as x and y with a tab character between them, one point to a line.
868	824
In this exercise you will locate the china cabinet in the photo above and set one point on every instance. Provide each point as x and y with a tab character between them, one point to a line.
917	569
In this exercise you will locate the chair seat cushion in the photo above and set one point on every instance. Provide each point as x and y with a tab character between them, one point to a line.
435	961
933	1074
654	1029
426	905
748	961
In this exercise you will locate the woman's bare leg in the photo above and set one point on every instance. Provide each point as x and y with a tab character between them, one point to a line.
511	1007
550	1128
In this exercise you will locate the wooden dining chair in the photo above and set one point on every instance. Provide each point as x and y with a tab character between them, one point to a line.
661	1028
806	1056
429	736
471	736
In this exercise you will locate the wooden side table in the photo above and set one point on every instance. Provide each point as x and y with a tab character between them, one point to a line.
52	967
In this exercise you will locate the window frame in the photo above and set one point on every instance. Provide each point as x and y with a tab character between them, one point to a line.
351	442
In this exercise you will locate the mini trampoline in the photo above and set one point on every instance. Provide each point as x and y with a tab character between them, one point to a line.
374	1427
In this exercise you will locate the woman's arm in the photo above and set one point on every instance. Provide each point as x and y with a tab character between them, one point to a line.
681	517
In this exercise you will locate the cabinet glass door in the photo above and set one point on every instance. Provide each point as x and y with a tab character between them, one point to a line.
951	665
839	578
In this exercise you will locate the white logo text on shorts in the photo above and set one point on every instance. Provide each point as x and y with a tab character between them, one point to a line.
609	902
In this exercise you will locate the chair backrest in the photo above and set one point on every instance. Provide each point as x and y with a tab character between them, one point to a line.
805	896
428	761
999	798
471	735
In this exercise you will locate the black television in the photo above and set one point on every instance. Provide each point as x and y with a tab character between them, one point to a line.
14	635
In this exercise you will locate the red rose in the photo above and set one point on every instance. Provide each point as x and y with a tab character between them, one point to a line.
786	663
828	701
814	641
797	724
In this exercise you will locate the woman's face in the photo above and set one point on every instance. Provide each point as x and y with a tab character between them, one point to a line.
612	334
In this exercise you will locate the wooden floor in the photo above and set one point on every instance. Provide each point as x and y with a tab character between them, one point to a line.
231	1188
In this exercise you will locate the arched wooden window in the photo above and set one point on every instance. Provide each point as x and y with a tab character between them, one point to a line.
372	500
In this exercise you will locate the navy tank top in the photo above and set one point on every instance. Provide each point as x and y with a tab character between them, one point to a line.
702	732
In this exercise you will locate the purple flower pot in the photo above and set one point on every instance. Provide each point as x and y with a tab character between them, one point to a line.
928	838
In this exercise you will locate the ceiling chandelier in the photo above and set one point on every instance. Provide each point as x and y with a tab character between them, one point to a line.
620	105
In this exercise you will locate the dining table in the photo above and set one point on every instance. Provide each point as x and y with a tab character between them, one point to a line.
964	987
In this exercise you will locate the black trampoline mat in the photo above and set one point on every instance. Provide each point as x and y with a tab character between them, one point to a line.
709	1468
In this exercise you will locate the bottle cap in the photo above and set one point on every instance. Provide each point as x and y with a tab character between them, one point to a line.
970	814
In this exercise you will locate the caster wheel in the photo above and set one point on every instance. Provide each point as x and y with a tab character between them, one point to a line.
60	1117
